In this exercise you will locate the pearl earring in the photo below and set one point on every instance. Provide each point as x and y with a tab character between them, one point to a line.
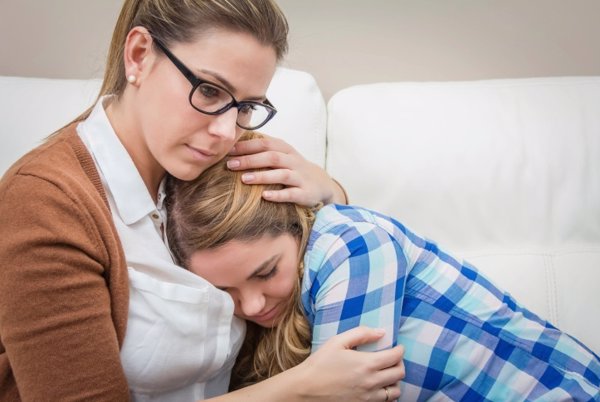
131	79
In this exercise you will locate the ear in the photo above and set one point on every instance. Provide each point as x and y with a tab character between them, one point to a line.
138	55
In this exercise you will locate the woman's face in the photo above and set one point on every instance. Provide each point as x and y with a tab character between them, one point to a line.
182	140
260	275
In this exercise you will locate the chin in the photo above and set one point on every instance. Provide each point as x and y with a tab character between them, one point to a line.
187	174
268	326
262	324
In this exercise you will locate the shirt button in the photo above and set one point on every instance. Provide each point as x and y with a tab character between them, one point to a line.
155	215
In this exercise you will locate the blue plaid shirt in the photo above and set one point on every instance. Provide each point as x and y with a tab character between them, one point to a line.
464	338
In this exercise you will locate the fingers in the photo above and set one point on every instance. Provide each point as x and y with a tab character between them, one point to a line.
358	336
273	161
390	357
270	159
258	145
390	364
293	192
288	194
389	393
262	153
387	366
273	176
390	375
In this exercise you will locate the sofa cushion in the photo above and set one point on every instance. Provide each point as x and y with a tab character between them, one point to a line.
33	108
301	117
561	286
505	171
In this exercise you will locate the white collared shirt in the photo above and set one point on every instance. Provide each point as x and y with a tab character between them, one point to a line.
182	337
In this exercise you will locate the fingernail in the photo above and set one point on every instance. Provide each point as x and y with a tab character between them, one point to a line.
233	163
232	149
247	177
267	194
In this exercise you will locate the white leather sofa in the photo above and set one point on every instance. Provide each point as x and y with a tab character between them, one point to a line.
505	173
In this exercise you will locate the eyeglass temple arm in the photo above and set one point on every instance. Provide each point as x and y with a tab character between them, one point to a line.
184	70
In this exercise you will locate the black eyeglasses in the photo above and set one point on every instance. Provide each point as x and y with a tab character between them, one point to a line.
212	99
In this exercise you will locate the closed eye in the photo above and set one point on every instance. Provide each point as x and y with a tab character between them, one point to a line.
268	275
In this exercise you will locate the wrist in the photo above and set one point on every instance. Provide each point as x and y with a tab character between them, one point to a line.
340	196
285	386
288	385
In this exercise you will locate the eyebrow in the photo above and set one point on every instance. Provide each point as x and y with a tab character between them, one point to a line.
223	81
264	265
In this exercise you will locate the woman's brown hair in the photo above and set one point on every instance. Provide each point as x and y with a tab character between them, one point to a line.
182	21
216	208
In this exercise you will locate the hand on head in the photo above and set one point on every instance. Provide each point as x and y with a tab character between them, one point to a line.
305	182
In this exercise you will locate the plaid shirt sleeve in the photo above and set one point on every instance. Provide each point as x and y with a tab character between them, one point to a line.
357	273
465	339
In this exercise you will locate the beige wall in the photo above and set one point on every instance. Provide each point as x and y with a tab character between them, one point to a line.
343	42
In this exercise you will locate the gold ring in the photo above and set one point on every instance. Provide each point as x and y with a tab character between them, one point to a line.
387	394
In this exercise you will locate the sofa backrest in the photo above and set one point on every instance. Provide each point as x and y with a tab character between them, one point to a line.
33	108
506	173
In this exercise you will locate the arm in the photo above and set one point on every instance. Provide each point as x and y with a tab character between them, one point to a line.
335	373
56	329
306	183
361	274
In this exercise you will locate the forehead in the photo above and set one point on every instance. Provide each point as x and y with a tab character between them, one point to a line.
240	58
232	262
235	261
231	254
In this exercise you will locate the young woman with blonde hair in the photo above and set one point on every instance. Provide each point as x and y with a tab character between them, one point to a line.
301	275
92	306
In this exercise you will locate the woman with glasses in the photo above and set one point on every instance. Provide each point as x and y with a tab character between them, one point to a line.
92	306
303	275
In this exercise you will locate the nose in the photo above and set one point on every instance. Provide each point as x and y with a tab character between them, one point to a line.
250	303
224	125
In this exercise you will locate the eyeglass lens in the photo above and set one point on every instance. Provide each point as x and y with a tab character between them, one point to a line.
210	98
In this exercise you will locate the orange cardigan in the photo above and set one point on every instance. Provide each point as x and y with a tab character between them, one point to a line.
63	279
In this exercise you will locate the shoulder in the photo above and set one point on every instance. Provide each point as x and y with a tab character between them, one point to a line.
55	186
61	162
59	151
334	218
335	214
341	232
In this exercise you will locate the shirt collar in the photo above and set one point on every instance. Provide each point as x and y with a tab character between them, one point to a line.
122	179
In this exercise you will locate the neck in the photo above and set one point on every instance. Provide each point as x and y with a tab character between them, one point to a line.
129	133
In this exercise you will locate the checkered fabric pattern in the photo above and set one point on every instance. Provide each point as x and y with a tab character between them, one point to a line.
465	339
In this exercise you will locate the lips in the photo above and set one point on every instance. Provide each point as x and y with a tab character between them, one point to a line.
200	153
268	316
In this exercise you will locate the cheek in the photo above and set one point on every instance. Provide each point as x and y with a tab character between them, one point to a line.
166	113
172	125
284	287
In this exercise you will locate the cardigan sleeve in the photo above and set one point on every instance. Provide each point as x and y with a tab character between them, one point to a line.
359	280
57	334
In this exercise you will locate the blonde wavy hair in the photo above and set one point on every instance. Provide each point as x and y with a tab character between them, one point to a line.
216	208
